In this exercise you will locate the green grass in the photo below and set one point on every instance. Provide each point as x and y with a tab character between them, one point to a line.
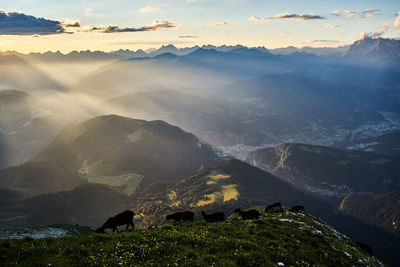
127	182
294	240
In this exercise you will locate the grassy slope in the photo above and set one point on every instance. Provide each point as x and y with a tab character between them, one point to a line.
292	239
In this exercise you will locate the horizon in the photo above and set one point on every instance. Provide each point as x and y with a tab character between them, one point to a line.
149	50
39	25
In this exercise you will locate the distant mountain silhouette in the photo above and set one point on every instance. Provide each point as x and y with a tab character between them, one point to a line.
76	56
318	51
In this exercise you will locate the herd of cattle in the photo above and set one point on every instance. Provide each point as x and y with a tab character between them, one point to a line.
126	217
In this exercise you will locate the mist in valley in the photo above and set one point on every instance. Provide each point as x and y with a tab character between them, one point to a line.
237	100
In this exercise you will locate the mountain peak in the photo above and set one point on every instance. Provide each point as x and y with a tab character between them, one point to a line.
374	49
127	150
169	46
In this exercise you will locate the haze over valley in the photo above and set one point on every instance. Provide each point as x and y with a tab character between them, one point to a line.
195	123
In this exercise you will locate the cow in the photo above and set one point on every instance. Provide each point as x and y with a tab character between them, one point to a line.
272	207
278	210
181	216
215	217
125	217
249	214
297	208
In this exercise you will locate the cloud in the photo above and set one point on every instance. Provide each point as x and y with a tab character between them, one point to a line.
190	1
329	26
15	23
362	36
366	14
286	33
325	41
345	13
188	36
381	30
349	13
336	13
396	23
332	26
88	11
255	18
152	42
286	15
75	24
158	24
222	23
321	42
370	13
148	9
6	42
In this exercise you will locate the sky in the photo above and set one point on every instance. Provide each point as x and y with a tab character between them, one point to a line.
48	25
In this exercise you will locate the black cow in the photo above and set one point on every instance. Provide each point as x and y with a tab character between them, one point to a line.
278	210
181	216
215	217
125	217
297	208
248	214
272	207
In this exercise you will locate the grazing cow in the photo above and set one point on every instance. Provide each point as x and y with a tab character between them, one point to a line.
248	214
125	217
365	247
215	217
297	208
181	216
272	207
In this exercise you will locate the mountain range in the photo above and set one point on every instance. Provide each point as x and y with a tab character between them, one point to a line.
366	48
